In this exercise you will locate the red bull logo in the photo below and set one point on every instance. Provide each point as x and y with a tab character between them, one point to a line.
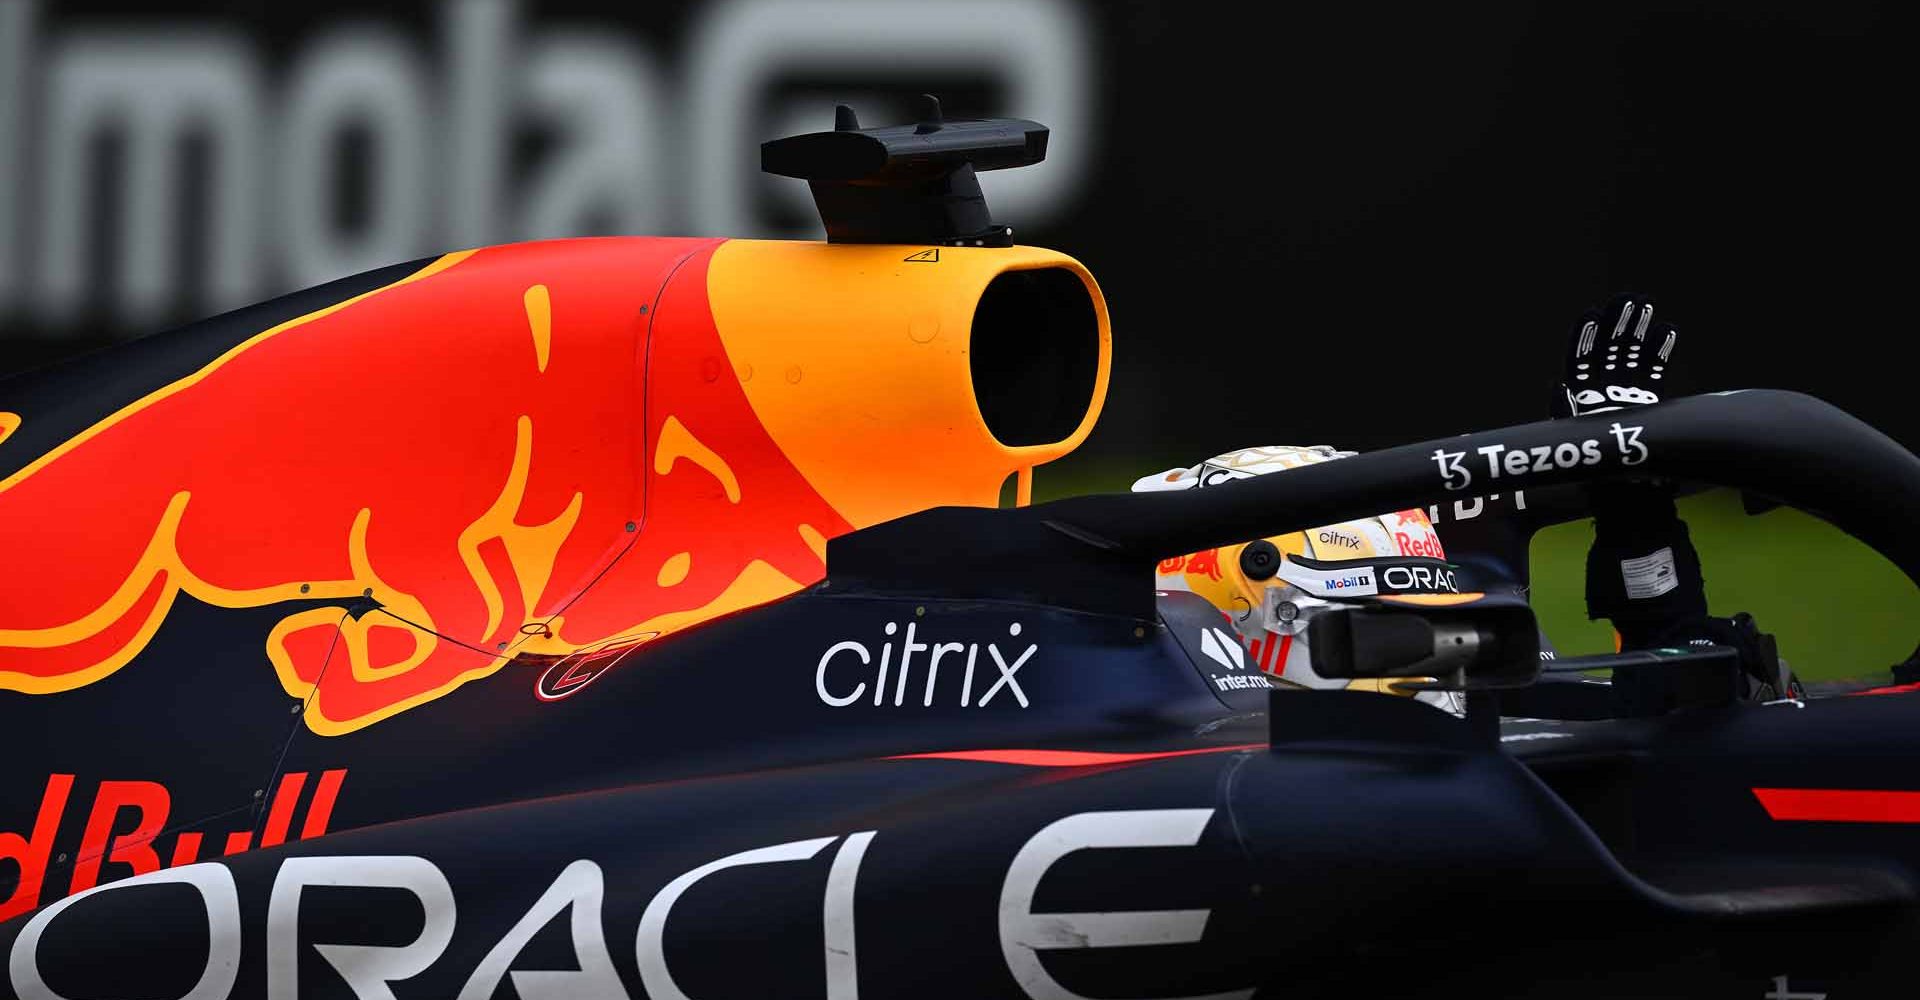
103	854
555	455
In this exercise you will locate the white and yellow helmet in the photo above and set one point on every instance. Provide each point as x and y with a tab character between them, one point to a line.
1270	588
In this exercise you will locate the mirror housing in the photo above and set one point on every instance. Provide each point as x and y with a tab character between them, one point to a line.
1478	648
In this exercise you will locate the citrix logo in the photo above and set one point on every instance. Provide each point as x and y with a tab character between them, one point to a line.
1333	536
939	650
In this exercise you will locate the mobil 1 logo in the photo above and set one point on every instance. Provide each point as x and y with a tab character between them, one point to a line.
1461	469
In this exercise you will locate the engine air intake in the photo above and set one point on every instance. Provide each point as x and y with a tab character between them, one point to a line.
1034	355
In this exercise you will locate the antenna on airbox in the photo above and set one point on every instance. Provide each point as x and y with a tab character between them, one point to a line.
907	183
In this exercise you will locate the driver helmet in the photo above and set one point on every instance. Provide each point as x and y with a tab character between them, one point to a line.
1271	588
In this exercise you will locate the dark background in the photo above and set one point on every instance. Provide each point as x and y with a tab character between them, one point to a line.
1359	225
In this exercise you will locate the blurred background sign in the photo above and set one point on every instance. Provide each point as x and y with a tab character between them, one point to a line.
1315	224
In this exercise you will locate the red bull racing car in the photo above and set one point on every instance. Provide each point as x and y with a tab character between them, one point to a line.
621	618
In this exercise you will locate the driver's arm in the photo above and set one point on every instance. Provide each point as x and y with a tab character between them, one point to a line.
1643	573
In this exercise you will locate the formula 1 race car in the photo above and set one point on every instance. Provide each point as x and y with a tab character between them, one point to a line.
620	618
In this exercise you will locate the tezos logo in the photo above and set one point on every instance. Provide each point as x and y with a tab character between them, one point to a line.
939	650
1499	458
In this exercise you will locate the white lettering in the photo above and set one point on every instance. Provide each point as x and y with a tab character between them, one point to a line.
580	889
1632	452
1006	674
966	688
217	893
906	658
1024	933
933	669
1492	452
820	674
843	967
1007	679
886	653
1418	578
367	969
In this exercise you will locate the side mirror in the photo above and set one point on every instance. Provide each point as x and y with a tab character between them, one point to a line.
1463	649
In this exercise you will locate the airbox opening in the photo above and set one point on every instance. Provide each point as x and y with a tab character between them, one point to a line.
1034	355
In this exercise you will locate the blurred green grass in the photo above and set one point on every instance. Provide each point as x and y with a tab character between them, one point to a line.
1840	611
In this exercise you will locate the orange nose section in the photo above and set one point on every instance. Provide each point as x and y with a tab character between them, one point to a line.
862	363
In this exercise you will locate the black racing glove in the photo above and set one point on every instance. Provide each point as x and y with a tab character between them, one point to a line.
1643	574
1642	571
1620	356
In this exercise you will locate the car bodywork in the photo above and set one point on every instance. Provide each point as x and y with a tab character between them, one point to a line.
621	618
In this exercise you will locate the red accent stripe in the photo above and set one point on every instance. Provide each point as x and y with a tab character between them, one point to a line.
320	810
280	816
1895	689
1066	758
1835	805
238	842
1280	662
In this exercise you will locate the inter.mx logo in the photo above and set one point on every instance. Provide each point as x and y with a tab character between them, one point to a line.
630	140
1220	647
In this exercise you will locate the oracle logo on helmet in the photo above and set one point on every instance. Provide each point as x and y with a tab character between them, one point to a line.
1424	579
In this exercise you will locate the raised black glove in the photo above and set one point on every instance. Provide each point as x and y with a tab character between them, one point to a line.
1620	356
